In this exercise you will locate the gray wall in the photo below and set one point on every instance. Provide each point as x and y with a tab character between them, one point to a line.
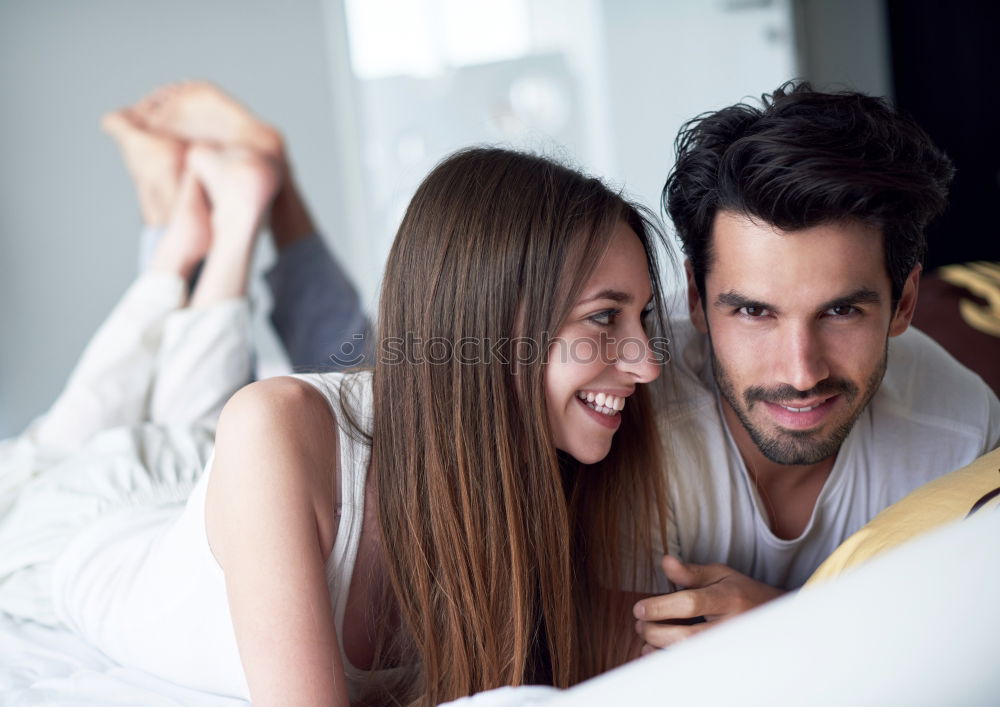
670	61
68	216
844	44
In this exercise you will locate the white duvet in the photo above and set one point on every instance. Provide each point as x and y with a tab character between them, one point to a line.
46	666
918	626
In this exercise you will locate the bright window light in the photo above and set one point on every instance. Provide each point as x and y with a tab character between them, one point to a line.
426	37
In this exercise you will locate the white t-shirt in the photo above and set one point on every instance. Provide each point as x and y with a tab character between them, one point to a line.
930	416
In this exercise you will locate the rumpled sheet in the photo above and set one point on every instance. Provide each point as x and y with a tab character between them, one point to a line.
52	667
917	626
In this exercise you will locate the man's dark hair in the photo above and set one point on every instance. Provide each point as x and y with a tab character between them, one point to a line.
806	158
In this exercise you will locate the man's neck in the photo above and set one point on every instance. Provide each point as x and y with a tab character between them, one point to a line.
788	491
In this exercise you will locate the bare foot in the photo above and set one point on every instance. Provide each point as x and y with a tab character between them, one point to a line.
198	111
240	185
186	240
154	161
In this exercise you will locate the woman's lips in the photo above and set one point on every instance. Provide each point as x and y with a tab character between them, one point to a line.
612	422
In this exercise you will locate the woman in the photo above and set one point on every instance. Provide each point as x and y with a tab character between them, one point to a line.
455	520
495	501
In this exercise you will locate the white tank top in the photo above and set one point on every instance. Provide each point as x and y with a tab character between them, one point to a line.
143	586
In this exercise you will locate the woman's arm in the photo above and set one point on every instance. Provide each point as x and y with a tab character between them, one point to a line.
269	520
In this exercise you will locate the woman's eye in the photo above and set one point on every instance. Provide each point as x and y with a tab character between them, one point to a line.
752	310
605	318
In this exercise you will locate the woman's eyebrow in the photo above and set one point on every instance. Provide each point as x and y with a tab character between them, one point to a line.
614	295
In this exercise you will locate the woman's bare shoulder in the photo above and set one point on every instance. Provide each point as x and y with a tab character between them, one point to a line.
284	421
268	518
283	400
277	439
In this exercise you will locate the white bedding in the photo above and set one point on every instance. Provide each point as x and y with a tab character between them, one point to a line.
45	666
917	626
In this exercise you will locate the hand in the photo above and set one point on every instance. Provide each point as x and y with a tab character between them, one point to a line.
714	592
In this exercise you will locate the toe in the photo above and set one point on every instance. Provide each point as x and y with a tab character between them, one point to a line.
156	100
118	123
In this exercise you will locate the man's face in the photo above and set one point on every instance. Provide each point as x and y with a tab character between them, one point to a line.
799	323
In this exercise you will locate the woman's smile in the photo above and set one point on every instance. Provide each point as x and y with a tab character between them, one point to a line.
600	412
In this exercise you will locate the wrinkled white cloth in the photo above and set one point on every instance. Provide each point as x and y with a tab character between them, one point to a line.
917	626
143	585
526	696
42	665
132	428
102	500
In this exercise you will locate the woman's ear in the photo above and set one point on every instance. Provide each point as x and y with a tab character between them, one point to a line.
695	307
907	305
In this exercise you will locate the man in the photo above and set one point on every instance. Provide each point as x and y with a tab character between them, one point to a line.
803	405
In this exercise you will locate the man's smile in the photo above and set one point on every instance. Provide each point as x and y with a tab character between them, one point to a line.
801	415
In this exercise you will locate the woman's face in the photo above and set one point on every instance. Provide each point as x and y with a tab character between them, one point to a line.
601	352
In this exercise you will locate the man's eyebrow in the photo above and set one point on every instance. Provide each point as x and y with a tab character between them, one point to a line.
614	295
735	299
860	296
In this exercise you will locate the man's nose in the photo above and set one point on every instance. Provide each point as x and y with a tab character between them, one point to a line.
801	357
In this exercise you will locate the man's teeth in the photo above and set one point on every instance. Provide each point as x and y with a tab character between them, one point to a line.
791	409
602	402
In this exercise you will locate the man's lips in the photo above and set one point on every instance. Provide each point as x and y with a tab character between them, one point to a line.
800	414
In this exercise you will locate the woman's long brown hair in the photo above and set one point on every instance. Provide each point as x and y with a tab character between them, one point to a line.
503	554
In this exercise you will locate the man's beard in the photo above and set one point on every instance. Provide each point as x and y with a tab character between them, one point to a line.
798	446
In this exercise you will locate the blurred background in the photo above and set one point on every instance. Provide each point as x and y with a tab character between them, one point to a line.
370	94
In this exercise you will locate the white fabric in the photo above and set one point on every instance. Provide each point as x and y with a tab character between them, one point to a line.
917	626
524	696
41	665
930	416
144	587
355	456
111	382
132	427
102	499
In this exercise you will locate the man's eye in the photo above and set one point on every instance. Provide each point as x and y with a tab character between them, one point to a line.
842	310
605	318
752	310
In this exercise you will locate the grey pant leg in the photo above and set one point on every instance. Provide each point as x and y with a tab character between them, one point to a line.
317	312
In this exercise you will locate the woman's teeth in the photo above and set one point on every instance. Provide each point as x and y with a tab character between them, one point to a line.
603	403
